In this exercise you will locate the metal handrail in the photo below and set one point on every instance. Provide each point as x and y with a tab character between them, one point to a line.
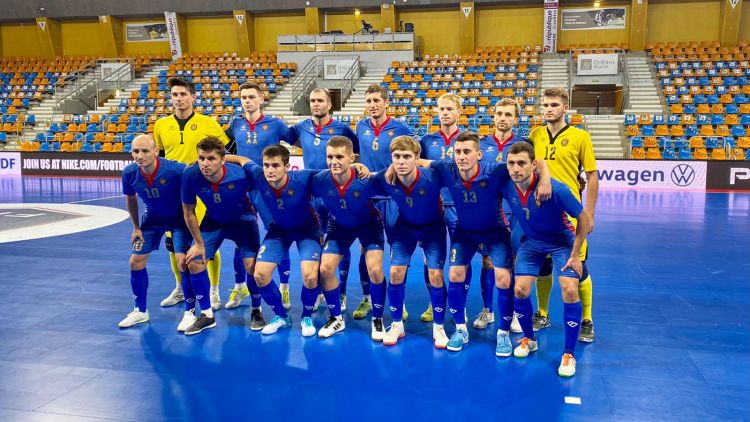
351	78
625	80
117	79
314	70
61	84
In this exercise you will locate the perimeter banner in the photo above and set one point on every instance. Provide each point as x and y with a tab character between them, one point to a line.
585	19
550	25
173	32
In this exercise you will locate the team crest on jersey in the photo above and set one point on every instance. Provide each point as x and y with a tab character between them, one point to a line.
193	127
264	127
564	142
391	132
162	181
356	194
290	192
421	192
482	184
330	131
230	186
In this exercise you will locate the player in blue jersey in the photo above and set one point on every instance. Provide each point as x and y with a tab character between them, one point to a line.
481	227
495	149
416	193
375	135
250	133
312	136
352	217
229	215
547	231
157	182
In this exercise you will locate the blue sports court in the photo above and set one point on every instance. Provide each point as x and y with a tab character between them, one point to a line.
671	290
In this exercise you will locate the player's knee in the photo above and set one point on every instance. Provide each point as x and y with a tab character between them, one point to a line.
502	279
137	262
522	290
376	275
436	278
457	275
397	275
309	280
196	266
569	288
262	278
327	270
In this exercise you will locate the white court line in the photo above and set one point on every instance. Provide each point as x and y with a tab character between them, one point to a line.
95	199
572	400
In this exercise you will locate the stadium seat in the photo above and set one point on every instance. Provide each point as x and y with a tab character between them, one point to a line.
718	154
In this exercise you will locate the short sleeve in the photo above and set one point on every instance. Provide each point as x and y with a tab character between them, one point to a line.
127	188
187	190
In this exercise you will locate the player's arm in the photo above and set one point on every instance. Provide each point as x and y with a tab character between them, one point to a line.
232	145
191	220
584	227
237	159
592	181
214	129
544	187
131	201
362	171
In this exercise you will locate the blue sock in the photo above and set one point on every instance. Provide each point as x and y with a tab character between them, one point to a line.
467	282
201	285
572	313
272	295
438	296
285	269
187	290
364	276
308	300
139	285
346	261
252	287
396	293
333	300
523	311
377	293
487	284
457	301
239	267
505	307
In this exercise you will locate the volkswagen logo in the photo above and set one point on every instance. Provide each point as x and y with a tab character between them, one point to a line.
683	175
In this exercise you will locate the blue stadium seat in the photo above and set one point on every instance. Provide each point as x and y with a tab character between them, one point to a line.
668	154
684	154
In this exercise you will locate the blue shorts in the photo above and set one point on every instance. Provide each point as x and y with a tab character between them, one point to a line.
154	230
322	211
389	211
494	243
339	239
243	232
532	253
278	241
430	238
451	219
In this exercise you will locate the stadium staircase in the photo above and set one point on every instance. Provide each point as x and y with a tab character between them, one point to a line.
281	104
643	87
355	105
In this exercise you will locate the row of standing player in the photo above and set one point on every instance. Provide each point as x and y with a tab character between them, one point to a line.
505	116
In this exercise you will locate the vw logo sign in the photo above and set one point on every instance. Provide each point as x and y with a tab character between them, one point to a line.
683	175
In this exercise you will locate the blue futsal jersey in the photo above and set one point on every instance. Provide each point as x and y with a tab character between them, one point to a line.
436	146
477	200
549	221
496	150
375	142
313	140
252	138
226	200
420	204
290	206
350	205
160	191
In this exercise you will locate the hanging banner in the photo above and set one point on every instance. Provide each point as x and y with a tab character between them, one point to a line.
175	47
597	64
550	25
584	19
146	32
467	11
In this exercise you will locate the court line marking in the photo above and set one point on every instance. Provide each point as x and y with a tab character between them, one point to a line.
91	217
95	199
572	400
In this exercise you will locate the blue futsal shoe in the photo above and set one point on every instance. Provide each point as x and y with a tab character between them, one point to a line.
457	341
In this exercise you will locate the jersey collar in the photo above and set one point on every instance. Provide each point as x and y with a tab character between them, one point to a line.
409	189
342	188
319	129
468	183
379	128
525	196
277	192
552	139
150	177
215	186
500	144
252	124
448	139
